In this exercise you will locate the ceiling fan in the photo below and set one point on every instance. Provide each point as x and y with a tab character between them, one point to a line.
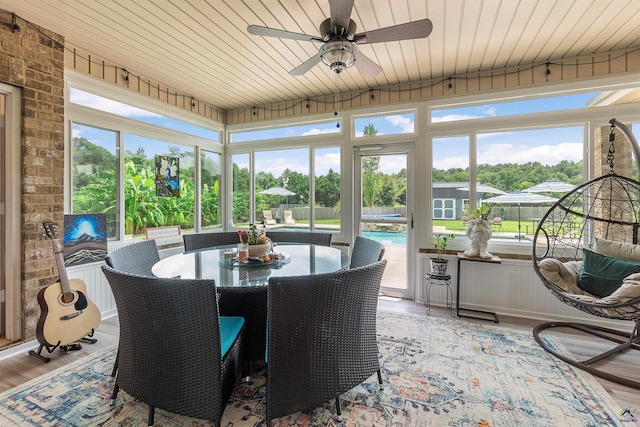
339	39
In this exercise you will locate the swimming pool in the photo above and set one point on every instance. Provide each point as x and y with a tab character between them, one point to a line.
387	238
384	237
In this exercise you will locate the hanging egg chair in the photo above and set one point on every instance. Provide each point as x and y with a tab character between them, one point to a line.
586	252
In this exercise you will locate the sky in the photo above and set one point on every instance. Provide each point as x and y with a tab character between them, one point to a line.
547	146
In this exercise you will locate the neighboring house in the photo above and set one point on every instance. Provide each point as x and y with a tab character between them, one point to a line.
451	199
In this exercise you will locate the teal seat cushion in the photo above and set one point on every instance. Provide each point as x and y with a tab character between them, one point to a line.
601	275
230	327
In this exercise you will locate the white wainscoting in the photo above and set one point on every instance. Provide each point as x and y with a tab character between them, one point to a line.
511	288
98	289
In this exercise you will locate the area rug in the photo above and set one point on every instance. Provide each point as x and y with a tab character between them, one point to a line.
437	372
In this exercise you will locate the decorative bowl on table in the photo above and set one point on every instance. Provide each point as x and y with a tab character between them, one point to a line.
259	250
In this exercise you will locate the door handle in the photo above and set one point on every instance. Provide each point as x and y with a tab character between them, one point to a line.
412	220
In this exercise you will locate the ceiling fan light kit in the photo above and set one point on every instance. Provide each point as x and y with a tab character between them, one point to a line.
338	55
339	38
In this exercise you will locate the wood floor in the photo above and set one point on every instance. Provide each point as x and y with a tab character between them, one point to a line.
22	368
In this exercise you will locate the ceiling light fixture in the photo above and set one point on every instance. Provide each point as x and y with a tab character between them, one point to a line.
339	55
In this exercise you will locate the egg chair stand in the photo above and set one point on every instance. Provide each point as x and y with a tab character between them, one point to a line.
607	207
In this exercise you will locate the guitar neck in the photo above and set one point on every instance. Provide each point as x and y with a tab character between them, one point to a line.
62	270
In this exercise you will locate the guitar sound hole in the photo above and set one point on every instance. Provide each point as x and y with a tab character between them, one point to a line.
68	298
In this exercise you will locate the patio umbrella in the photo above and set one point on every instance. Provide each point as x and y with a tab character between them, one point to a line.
279	191
551	186
521	198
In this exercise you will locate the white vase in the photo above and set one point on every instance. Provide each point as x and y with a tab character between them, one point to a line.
479	233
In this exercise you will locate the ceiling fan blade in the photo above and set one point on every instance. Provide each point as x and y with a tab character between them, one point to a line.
366	66
257	30
340	13
306	65
411	30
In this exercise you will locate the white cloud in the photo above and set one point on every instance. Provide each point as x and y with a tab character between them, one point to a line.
327	161
485	112
454	118
452	162
392	164
404	123
316	131
544	154
492	154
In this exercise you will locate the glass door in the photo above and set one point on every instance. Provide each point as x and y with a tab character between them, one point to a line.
384	189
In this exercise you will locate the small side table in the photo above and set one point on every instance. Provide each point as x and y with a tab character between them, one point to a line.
462	257
439	280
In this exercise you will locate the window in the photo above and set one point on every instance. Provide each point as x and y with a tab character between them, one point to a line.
389	124
450	187
282	184
288	131
241	185
509	108
100	103
327	189
94	162
444	209
210	190
141	176
282	188
146	204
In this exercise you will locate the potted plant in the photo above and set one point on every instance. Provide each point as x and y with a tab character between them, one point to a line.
439	264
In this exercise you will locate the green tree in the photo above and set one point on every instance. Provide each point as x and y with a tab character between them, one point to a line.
328	189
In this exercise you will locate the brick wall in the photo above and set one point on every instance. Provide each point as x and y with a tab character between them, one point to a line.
34	61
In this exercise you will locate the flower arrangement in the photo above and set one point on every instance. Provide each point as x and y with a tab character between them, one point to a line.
440	243
255	235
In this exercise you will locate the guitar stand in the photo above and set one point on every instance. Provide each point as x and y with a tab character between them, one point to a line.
74	346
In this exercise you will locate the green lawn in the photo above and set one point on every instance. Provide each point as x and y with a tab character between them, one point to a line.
507	226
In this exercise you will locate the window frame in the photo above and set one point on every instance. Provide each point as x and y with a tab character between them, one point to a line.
75	113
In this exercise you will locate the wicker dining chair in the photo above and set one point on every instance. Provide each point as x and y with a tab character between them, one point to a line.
137	258
313	237
366	251
175	352
197	241
321	338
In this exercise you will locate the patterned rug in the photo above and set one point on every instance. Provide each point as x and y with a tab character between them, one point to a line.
437	372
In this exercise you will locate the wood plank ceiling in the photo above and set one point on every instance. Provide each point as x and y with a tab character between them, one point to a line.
202	48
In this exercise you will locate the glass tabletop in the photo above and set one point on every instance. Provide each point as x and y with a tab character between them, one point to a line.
300	259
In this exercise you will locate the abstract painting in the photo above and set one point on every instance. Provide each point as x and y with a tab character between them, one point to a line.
85	238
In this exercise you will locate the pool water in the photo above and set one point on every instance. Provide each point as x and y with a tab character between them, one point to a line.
387	238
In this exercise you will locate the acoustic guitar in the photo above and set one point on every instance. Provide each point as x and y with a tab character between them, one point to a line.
67	315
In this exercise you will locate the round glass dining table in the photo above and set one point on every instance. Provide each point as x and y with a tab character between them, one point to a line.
299	259
242	289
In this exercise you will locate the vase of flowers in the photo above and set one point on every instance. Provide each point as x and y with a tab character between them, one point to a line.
256	238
